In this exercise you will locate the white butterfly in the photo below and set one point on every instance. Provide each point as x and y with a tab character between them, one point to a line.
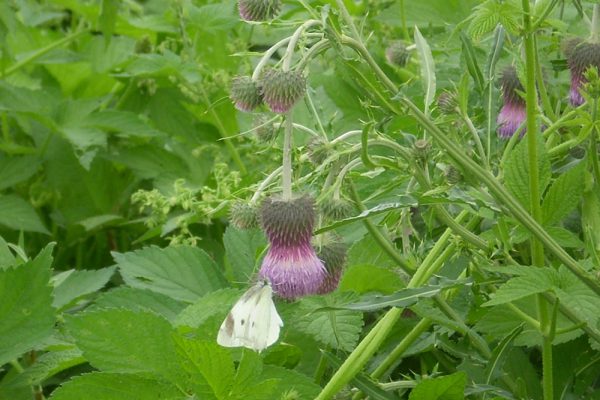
253	321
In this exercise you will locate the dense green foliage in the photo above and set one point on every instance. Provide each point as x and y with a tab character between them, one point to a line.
472	264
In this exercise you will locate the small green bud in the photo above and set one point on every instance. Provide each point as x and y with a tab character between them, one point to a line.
243	215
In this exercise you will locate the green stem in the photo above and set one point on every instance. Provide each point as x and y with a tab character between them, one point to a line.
286	173
44	50
404	26
594	143
476	138
595	28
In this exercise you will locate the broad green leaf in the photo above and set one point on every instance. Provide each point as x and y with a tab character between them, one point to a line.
99	221
366	278
449	387
564	195
289	380
125	124
336	328
125	341
242	248
516	171
16	213
25	306
70	285
427	69
532	281
140	299
577	296
494	365
183	273
215	303
367	252
7	258
14	170
110	386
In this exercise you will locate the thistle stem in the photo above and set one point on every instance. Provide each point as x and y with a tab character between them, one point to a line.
594	143
289	53
266	182
286	172
595	28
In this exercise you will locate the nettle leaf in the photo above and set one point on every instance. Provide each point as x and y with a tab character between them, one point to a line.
242	247
492	13
18	214
14	170
126	341
450	387
26	308
102	385
366	278
427	69
532	281
218	302
184	273
516	171
564	195
290	381
71	285
577	296
339	329
140	299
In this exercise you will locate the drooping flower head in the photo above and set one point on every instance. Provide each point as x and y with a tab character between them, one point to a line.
581	56
245	93
512	114
333	253
396	53
291	264
258	10
243	215
282	89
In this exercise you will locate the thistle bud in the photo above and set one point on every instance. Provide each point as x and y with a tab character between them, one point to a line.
336	209
265	130
245	93
282	89
452	175
318	150
396	53
447	103
258	10
421	148
333	254
243	215
581	57
291	264
578	152
513	113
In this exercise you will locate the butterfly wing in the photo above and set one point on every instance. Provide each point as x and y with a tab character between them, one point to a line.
231	332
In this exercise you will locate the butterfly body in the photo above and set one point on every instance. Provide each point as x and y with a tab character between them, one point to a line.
253	321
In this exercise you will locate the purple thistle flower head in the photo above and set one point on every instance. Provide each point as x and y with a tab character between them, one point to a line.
282	89
333	253
291	264
512	114
258	10
245	93
581	56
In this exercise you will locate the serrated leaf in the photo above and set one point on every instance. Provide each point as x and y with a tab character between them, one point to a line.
18	214
339	329
184	273
125	341
533	280
78	283
563	195
427	69
105	386
289	380
449	387
516	171
241	249
577	296
17	169
140	299
25	306
218	302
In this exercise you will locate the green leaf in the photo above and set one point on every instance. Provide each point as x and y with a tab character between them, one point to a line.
494	365
216	303
71	285
14	170
427	69
7	258
183	273
289	380
471	59
16	213
126	341
516	171
366	278
108	17
25	306
109	386
533	280
564	195
339	329
140	299
126	124
242	248
577	296
449	387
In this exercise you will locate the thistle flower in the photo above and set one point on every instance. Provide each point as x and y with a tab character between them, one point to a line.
447	103
243	215
581	56
396	53
318	150
245	93
336	209
333	254
258	10
512	114
291	264
282	89
264	129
